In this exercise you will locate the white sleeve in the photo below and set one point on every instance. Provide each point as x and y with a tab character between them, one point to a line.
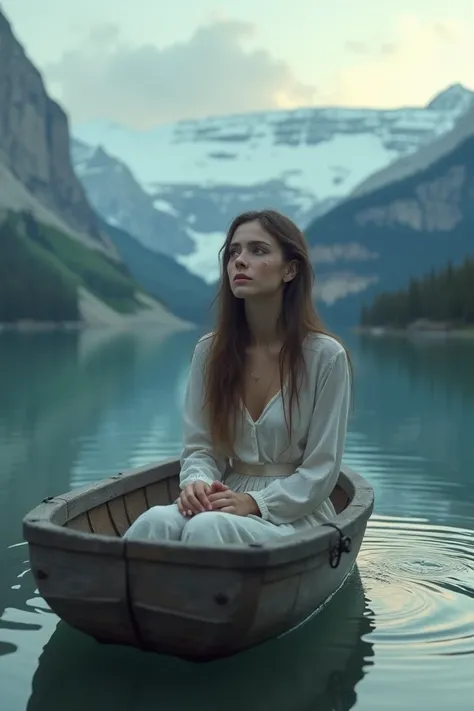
287	499
197	458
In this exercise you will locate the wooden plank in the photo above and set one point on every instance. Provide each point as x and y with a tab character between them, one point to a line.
290	569
81	501
135	504
339	498
80	523
157	494
185	637
354	484
53	509
275	607
87	591
118	514
243	620
187	610
346	482
173	488
198	556
67	539
198	593
364	496
298	546
317	584
275	553
197	613
101	522
321	581
85	498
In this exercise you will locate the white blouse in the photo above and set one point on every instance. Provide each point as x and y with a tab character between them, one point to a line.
314	454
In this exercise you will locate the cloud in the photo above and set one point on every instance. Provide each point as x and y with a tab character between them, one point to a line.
212	73
423	59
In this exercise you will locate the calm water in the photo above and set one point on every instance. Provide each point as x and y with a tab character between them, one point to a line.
399	635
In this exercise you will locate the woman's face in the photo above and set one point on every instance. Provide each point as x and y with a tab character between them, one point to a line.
256	265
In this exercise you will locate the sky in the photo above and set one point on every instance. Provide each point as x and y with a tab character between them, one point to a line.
147	62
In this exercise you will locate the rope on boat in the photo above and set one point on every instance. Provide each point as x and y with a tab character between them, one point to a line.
342	546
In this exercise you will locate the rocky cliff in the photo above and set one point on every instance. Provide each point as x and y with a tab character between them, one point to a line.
400	231
57	262
34	139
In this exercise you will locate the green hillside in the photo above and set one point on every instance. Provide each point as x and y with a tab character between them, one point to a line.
445	296
42	267
188	296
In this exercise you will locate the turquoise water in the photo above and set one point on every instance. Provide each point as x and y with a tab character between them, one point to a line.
400	634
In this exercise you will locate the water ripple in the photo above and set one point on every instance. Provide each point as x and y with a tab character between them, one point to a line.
420	579
412	629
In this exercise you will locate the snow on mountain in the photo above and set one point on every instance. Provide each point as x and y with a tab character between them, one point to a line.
186	181
427	154
119	198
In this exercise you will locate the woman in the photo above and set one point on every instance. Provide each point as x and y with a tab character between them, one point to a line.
267	401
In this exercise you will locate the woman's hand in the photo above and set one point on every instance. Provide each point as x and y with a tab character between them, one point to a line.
195	497
230	502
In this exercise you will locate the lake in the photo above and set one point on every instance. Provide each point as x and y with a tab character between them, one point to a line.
75	408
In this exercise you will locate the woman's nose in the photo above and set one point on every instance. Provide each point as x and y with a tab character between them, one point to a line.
240	260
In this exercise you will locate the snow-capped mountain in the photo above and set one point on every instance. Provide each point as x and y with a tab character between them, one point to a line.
177	187
403	228
120	199
427	154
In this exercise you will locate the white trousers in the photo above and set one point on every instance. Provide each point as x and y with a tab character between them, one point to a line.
209	528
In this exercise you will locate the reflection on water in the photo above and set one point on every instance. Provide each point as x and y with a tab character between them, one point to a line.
412	431
316	667
399	636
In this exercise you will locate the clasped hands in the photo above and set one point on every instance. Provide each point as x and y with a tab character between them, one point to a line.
199	497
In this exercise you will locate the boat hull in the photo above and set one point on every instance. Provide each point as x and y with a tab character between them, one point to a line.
192	602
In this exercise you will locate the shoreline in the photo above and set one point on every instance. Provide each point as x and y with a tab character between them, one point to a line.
28	326
31	327
419	333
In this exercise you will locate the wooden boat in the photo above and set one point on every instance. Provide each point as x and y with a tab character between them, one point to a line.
198	603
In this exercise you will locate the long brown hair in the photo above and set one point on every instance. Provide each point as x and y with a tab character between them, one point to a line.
224	368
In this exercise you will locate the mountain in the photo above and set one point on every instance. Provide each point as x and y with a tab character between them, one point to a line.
164	278
431	151
34	147
116	195
202	173
378	241
452	98
112	189
57	264
46	276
